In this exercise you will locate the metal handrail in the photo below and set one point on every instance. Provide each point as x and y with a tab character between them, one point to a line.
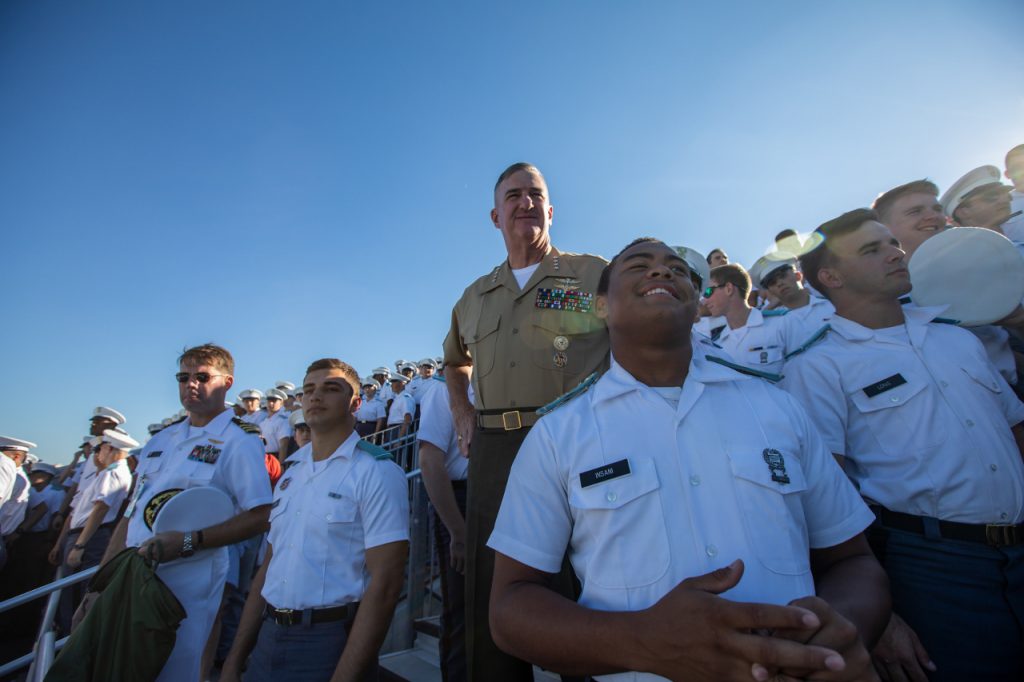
58	584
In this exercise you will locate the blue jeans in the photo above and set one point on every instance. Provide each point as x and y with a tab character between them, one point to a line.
306	653
964	600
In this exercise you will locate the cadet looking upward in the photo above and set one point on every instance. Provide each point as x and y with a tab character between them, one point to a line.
527	333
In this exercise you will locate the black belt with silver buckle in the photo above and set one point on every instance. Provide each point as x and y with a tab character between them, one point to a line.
295	616
506	420
992	534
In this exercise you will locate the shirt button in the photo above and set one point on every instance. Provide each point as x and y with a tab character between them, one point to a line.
943	384
993	467
894	399
695	480
611	497
512	364
970	423
711	550
1003	515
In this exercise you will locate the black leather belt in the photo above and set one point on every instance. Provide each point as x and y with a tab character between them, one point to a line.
992	534
298	616
506	420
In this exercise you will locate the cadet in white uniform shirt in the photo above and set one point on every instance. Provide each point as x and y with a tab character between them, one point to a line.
931	435
806	311
209	448
251	400
275	427
444	476
323	600
403	407
371	415
720	467
14	488
754	338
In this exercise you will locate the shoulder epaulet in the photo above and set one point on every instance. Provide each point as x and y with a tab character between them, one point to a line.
743	369
815	337
704	341
563	399
246	426
717	332
905	300
288	464
945	320
375	451
776	312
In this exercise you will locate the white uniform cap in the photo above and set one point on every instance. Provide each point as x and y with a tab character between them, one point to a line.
407	365
31	459
108	413
43	467
399	364
296	418
767	264
166	422
698	263
958	191
16	444
121	441
95	441
381	370
285	386
154	428
400	377
429	362
276	393
439	361
370	382
250	393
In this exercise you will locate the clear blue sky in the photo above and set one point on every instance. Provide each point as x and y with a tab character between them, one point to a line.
299	180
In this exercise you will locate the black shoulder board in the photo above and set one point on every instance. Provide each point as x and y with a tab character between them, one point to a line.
246	426
376	451
562	400
905	300
716	332
743	369
815	337
945	320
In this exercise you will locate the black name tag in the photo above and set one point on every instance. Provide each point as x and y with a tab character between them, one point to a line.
884	385
155	453
604	473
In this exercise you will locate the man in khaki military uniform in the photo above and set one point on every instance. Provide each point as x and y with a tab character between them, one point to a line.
526	332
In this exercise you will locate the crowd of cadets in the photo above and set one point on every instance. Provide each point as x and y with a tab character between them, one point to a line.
760	318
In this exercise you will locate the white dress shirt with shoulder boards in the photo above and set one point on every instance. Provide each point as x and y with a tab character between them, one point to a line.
920	414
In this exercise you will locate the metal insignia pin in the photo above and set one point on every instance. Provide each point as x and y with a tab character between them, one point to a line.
560	359
776	465
560	343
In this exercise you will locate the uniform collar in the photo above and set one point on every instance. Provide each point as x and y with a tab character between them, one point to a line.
347	450
217	425
502	275
617	381
915	318
756	319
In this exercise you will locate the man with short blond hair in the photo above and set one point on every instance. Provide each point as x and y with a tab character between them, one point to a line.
912	212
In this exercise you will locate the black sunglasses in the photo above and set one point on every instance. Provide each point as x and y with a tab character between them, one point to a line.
201	377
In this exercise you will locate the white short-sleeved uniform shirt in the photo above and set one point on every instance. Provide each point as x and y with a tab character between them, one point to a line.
645	493
52	497
371	410
801	324
85	470
758	344
274	428
437	427
706	325
110	486
12	513
182	456
325	516
402	405
8	472
256	417
385	393
415	385
920	414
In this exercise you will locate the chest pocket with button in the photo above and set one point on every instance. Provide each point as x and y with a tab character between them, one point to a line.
983	377
479	334
880	414
619	527
773	514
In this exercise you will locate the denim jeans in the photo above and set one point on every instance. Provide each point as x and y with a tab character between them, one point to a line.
964	600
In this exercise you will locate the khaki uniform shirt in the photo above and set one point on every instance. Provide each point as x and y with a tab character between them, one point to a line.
528	346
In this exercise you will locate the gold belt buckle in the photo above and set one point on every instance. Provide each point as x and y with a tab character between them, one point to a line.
511	420
1001	535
